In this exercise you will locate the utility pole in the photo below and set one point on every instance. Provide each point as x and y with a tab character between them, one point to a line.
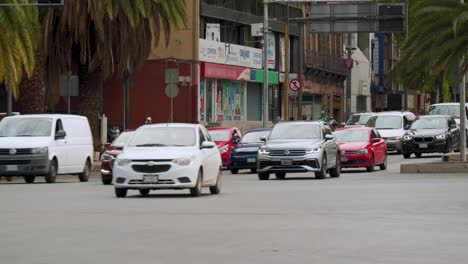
462	110
265	63
301	69
286	68
9	99
348	77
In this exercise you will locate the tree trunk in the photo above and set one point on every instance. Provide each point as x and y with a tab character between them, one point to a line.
32	90
90	101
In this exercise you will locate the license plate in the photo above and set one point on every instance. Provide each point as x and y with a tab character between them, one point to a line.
286	162
251	160
150	179
11	168
344	159
422	145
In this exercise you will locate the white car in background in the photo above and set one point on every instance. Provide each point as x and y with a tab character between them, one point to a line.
168	156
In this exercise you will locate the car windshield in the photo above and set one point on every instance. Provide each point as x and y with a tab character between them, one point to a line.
220	135
254	137
164	137
122	139
430	123
385	122
295	131
25	127
352	135
358	120
451	110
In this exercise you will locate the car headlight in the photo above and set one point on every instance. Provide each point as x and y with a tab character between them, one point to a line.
362	151
444	136
106	157
314	150
263	150
43	150
224	149
394	138
184	161
407	138
122	162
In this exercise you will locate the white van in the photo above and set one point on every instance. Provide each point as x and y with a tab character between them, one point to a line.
451	109
45	145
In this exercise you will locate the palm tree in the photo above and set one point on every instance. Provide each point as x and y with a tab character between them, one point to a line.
19	36
99	38
437	39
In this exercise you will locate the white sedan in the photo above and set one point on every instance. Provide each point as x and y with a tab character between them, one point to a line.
168	156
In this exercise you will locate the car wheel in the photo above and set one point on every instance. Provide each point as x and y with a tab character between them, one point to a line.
29	178
235	171
84	176
323	171
372	165
383	166
406	155
197	190
144	192
120	192
106	180
216	189
335	171
51	176
280	175
253	170
418	155
264	176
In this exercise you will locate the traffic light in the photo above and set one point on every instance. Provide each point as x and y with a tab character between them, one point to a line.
391	18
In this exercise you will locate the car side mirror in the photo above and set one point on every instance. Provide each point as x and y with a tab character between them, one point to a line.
329	137
61	134
376	140
263	139
207	145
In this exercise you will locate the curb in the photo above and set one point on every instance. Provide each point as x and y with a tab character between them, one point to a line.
437	167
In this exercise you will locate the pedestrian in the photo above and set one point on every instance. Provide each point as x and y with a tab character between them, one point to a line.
324	117
291	118
304	117
333	123
148	121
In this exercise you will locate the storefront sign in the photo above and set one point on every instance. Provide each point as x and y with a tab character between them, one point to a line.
212	51
257	76
271	51
225	72
231	54
213	32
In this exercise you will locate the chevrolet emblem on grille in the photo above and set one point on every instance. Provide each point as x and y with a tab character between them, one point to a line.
12	151
151	163
287	152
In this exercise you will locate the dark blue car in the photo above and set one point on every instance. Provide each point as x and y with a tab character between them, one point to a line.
244	155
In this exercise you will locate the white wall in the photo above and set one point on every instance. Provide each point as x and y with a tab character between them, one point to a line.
360	77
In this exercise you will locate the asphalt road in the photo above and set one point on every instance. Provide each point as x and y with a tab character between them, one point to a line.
379	217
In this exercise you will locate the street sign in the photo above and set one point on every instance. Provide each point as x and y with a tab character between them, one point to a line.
172	90
295	85
348	63
172	76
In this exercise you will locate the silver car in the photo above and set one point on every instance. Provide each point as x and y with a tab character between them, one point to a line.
294	147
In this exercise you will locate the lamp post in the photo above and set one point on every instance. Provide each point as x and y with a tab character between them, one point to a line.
462	110
265	63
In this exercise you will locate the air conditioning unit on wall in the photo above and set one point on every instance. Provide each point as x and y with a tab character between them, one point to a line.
363	88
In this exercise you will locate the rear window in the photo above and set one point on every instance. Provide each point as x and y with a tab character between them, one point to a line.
451	110
358	120
385	122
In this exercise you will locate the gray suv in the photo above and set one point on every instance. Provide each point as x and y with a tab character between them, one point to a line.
294	147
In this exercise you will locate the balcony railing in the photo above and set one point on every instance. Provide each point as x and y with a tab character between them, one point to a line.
325	63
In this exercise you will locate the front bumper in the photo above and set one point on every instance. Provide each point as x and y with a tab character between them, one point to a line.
436	146
243	160
176	177
20	165
355	160
288	164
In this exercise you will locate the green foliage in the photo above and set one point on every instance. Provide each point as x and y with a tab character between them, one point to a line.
19	37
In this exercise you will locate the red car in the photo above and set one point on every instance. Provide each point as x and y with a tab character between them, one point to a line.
112	151
361	147
226	138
